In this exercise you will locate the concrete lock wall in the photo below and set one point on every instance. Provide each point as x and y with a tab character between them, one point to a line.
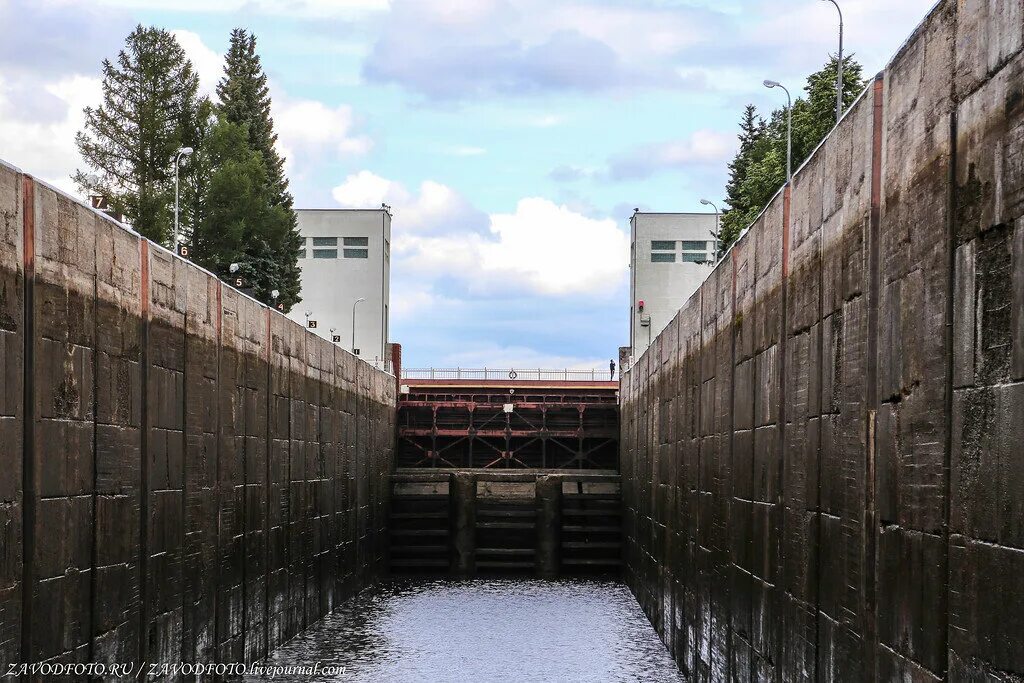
822	465
187	475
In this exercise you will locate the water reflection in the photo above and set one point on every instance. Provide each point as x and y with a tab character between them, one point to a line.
495	630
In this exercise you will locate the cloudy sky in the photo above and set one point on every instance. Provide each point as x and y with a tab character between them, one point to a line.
512	137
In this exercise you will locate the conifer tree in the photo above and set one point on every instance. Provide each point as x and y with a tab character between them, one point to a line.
759	167
149	111
239	223
244	100
752	148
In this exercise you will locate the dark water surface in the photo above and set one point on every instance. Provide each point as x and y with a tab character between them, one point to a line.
486	630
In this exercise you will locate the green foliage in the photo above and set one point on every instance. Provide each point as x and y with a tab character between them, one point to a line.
239	222
759	169
149	110
271	237
244	98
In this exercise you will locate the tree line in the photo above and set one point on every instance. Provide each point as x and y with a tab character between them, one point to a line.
235	206
759	168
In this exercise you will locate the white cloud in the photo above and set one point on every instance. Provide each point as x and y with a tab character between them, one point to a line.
308	130
467	151
45	146
500	356
435	208
542	248
703	148
311	130
209	64
547	120
449	50
547	248
296	8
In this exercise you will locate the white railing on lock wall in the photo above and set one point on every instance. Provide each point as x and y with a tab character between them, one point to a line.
505	373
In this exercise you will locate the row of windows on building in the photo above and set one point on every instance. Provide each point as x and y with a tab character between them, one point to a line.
327	247
689	251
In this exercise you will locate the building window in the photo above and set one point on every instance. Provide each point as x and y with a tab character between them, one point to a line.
325	241
665	257
695	258
663	245
302	253
694	246
325	253
387	249
356	253
357	241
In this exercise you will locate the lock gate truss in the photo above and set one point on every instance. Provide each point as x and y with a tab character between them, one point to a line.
549	424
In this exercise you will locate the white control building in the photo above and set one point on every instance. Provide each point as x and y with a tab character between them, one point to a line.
346	267
671	254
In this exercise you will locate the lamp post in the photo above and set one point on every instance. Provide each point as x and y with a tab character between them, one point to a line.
839	64
718	239
354	322
182	152
789	128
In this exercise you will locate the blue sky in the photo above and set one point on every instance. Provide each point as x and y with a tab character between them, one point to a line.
512	137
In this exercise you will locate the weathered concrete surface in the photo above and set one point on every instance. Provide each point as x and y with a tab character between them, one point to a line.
183	469
821	454
12	413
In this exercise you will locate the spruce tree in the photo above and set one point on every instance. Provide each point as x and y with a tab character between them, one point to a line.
149	111
244	100
239	222
759	168
752	147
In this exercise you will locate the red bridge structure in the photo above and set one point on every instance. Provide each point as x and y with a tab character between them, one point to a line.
508	418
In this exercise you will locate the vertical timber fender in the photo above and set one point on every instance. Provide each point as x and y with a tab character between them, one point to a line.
849	492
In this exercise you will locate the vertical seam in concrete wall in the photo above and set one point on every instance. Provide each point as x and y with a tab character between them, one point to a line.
266	482
732	459
821	430
183	522
28	211
216	477
951	209
144	451
871	400
242	361
695	526
93	569
780	497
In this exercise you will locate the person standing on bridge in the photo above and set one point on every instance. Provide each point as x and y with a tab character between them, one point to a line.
611	370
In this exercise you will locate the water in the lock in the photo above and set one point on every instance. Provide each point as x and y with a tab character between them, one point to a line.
486	630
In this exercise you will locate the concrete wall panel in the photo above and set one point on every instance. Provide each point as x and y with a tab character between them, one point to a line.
12	413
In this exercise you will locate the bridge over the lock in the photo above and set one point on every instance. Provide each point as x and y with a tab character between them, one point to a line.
814	472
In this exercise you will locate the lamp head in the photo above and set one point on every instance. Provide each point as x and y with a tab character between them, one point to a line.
274	294
705	202
233	268
771	84
185	151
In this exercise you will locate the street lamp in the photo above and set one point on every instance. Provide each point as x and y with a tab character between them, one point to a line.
789	128
182	152
718	239
354	322
839	66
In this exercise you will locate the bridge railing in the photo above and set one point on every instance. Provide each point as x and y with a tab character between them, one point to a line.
564	374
